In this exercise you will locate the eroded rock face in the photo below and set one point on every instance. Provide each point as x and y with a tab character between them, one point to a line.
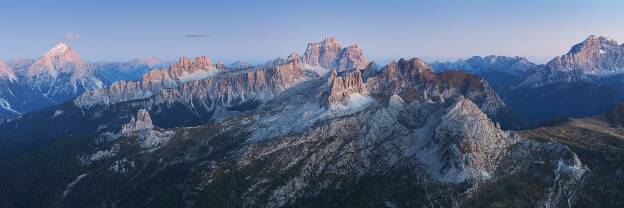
351	57
449	142
596	55
6	72
323	54
148	136
141	122
314	138
591	60
326	55
413	80
471	143
235	87
342	88
409	78
186	70
61	74
59	60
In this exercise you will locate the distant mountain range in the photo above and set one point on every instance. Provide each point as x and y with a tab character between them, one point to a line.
58	76
327	128
134	69
586	81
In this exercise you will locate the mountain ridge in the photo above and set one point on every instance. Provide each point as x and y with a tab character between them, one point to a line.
328	128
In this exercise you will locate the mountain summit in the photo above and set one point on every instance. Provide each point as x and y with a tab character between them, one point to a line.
6	72
596	55
61	74
61	59
328	54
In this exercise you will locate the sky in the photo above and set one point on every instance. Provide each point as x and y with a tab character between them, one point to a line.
257	31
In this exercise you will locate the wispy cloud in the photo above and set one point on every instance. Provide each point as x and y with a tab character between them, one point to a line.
71	36
196	36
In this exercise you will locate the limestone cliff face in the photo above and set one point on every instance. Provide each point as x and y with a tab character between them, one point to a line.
591	60
471	143
341	88
328	54
323	54
311	138
141	122
148	136
412	80
595	55
236	87
351	57
185	70
6	72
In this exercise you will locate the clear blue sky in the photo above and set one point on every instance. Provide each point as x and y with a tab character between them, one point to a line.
256	31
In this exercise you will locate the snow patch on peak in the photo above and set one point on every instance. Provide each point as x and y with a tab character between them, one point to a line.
602	51
59	49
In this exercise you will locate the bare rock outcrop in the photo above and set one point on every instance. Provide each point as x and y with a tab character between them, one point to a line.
185	70
236	87
141	122
470	142
322	54
327	54
351	57
148	136
595	58
341	88
6	72
595	55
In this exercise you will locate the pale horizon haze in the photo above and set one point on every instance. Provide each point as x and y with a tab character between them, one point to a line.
257	31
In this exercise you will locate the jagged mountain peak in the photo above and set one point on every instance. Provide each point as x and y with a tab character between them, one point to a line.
6	72
599	38
60	48
594	43
61	74
294	57
418	65
186	69
415	61
596	55
188	62
142	121
328	54
61	59
330	40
